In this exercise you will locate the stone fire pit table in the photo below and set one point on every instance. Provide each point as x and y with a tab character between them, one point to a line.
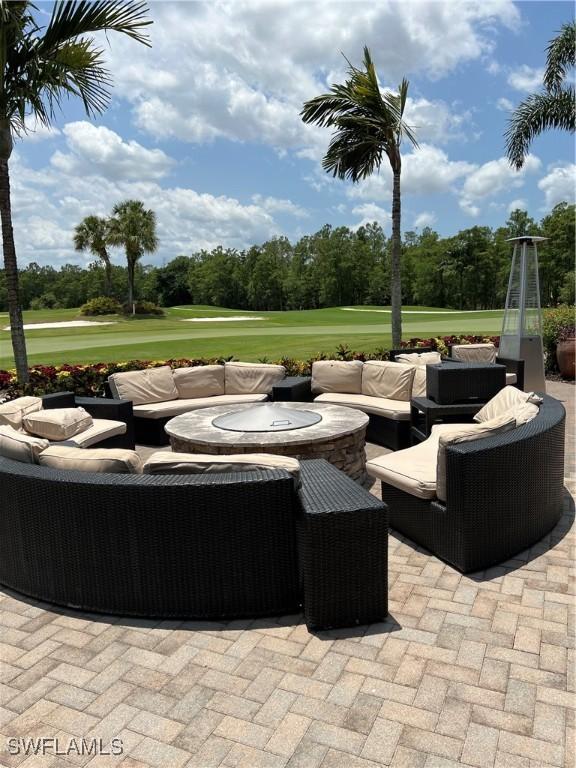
339	437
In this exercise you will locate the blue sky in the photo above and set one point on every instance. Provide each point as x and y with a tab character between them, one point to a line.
204	126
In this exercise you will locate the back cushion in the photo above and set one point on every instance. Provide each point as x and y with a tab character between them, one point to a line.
251	378
199	381
19	446
113	460
474	353
505	401
13	412
154	385
463	433
419	358
419	382
57	423
381	378
337	376
167	463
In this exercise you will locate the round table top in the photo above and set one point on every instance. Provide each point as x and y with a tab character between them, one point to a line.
196	426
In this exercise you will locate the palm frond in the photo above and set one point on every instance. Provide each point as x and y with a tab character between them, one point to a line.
561	57
534	115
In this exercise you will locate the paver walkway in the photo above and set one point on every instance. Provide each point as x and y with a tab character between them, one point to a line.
467	671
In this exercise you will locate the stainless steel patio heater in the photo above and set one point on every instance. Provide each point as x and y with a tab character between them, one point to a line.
521	337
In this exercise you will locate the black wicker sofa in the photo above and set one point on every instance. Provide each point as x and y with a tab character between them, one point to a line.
196	546
503	494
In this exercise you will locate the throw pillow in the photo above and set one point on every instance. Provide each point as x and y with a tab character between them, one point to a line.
57	423
19	446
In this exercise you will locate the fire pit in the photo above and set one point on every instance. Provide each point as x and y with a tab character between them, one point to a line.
266	417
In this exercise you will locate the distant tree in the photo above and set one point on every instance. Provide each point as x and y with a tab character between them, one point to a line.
92	235
554	108
171	282
133	227
367	125
38	68
556	255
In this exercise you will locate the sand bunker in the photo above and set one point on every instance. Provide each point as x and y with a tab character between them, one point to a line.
236	319
62	324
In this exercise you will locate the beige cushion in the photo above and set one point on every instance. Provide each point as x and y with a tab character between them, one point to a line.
12	413
337	376
150	386
419	381
176	407
199	381
168	463
525	412
113	460
461	433
57	423
475	353
19	446
511	378
100	430
504	401
398	410
252	378
382	378
419	358
412	470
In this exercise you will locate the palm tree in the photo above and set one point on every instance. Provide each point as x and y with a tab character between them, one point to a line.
133	227
92	235
554	108
38	68
368	124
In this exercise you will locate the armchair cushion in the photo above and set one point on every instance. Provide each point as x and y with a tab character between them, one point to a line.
12	412
100	430
57	423
19	446
475	353
199	381
381	378
412	470
251	378
419	381
153	385
337	376
110	460
419	358
168	463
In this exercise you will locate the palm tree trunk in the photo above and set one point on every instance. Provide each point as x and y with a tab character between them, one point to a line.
11	272
131	270
395	273
108	277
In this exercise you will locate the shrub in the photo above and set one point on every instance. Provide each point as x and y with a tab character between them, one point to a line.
554	320
46	301
101	305
143	308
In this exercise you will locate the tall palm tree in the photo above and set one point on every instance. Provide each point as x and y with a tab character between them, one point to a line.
367	125
554	108
39	66
133	227
92	235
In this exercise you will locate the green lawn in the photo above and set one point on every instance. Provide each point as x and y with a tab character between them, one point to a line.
276	334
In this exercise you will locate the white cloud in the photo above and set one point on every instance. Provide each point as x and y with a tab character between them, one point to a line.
425	219
504	105
558	185
279	205
435	121
371	212
491	178
96	150
37	131
525	78
518	205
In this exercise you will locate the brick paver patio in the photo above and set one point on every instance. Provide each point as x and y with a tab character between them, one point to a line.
467	671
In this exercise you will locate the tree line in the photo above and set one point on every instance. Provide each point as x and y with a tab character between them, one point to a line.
335	266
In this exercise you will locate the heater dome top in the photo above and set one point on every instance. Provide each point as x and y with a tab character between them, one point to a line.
526	238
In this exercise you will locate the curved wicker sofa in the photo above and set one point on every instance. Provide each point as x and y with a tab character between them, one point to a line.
503	494
203	546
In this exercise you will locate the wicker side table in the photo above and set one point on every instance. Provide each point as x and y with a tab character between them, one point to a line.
424	413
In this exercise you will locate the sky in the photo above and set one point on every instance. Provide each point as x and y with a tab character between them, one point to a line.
204	126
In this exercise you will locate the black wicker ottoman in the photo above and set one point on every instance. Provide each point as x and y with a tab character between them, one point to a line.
448	383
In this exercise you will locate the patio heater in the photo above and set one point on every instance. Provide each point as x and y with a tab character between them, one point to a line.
521	337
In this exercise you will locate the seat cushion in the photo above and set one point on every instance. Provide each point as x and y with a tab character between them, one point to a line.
176	407
475	353
419	358
112	460
251	378
100	430
412	470
337	376
382	378
19	446
12	412
511	378
169	463
57	423
153	385
505	401
199	381
398	410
